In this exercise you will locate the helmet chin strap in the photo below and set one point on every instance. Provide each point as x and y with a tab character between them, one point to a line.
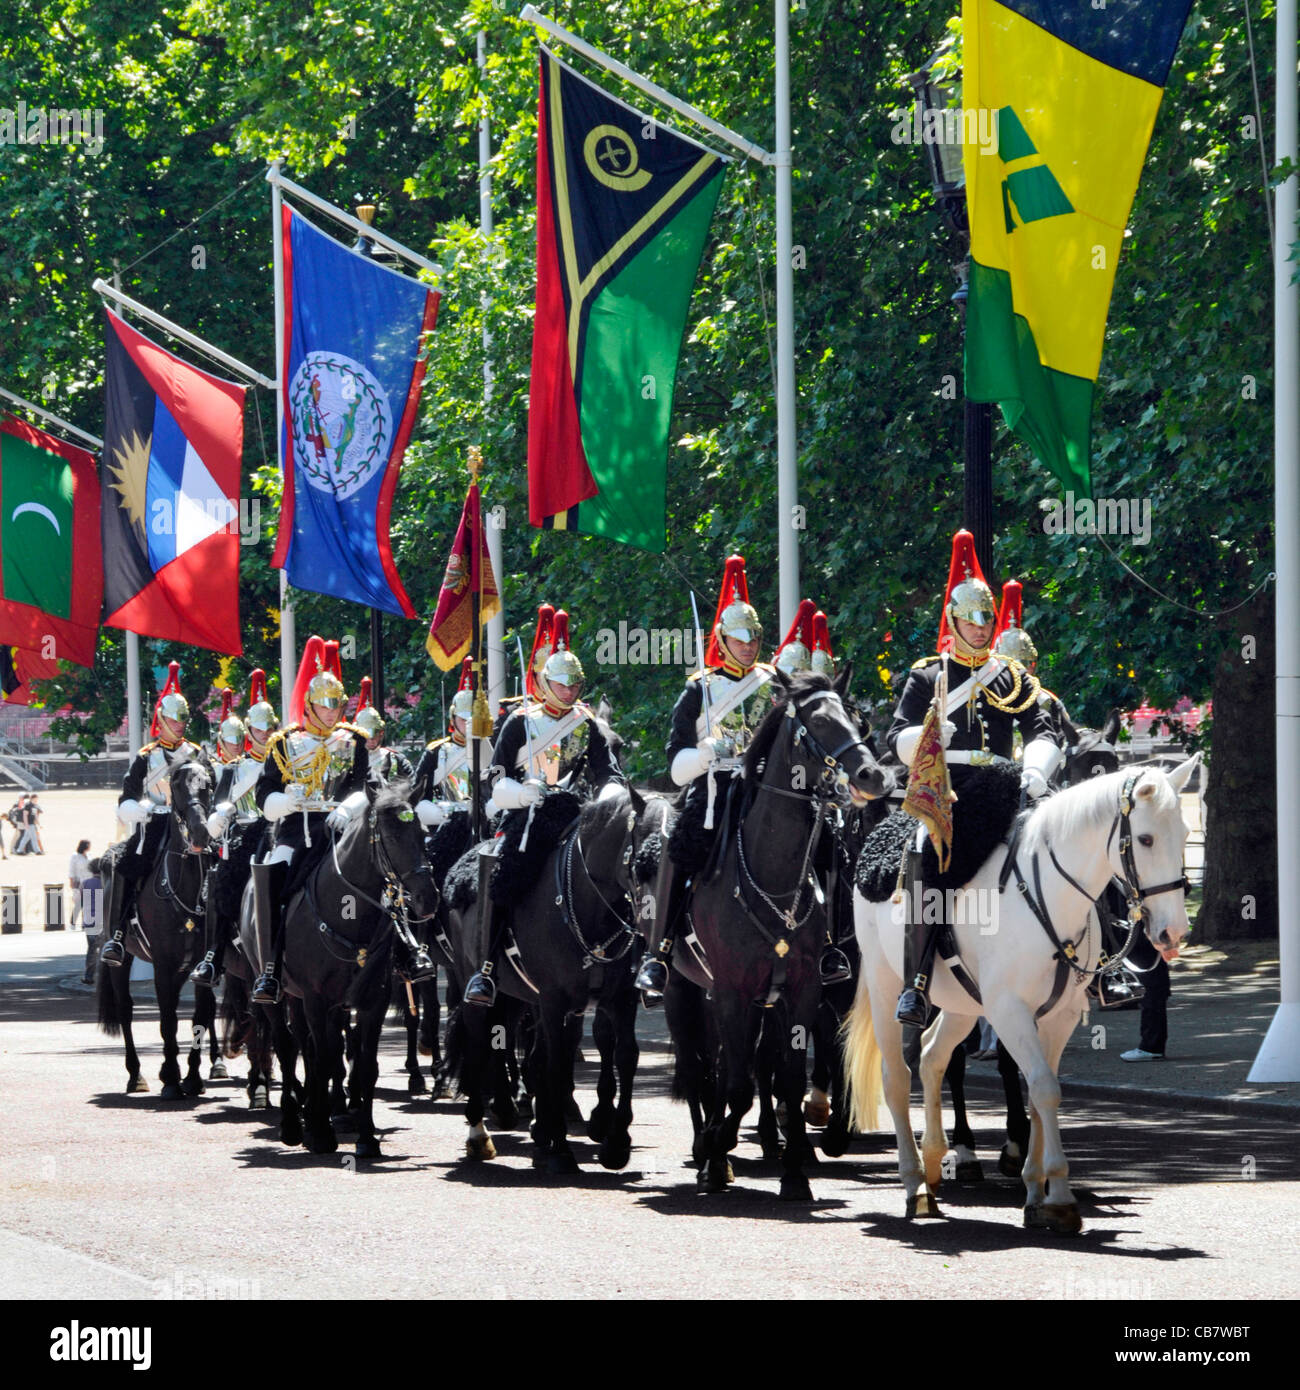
729	663
965	653
314	726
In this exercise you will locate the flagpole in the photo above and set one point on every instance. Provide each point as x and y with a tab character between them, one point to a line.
288	635
497	624
481	715
1278	1059
787	478
52	419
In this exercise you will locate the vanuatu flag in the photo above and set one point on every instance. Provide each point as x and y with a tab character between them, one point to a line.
623	210
351	378
1075	88
173	437
49	545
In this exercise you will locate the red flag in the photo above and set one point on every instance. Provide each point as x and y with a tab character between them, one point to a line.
18	669
469	571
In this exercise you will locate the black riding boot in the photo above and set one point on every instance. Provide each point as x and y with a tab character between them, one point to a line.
208	971
919	943
670	891
121	902
482	988
268	888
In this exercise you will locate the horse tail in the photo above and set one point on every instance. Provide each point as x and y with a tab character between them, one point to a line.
862	1075
110	1020
453	1046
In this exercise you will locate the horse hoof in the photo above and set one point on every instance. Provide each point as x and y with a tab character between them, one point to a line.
1060	1218
573	1121
561	1164
259	1098
970	1171
535	1132
525	1106
728	1172
835	1144
291	1131
136	1085
320	1141
1009	1164
343	1123
712	1178
368	1148
217	1071
771	1153
794	1188
416	1084
441	1090
171	1091
504	1117
817	1113
599	1125
424	1050
192	1086
480	1147
923	1206
614	1153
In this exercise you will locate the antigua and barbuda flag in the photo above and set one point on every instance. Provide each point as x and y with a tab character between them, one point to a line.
51	578
169	474
351	379
1075	88
623	212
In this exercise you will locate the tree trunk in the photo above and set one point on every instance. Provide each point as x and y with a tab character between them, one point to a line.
1240	898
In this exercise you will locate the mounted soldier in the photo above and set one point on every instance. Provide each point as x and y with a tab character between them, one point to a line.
988	697
144	804
713	722
441	782
236	823
1013	641
387	763
312	784
552	743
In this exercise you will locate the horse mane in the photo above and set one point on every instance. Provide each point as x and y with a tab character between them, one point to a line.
765	736
394	796
1081	809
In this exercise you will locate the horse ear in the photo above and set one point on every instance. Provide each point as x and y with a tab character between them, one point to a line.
1072	733
1180	775
841	683
637	800
781	679
372	789
1110	729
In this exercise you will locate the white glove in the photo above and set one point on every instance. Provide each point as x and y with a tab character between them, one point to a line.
131	812
947	729
1041	759
159	808
532	792
431	813
905	743
277	805
296	792
1033	781
219	822
347	810
510	795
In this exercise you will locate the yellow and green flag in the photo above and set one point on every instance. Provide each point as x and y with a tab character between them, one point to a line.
1075	88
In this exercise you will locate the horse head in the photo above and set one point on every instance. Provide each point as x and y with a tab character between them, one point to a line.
827	742
397	841
1090	752
191	800
1147	851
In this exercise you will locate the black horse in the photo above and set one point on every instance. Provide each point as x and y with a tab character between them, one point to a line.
166	929
338	958
572	940
760	923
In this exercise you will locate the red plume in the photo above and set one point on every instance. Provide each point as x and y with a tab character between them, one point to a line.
801	630
332	663
965	565
562	631
367	693
466	675
734	586
544	637
257	687
227	704
172	687
313	660
822	635
1012	614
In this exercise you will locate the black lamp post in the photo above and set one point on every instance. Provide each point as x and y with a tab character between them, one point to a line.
942	142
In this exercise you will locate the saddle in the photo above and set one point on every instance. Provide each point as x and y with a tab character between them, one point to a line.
517	870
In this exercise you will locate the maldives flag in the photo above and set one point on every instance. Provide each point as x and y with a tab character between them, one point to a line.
18	669
173	437
50	571
351	378
468	572
623	211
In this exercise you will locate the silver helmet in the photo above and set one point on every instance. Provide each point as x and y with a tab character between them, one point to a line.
563	668
972	602
462	705
369	721
1015	643
740	620
175	706
232	731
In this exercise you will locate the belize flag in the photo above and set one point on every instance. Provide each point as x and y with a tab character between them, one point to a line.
351	379
169	475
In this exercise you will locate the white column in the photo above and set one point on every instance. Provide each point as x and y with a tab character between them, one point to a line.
496	633
134	724
288	644
1279	1054
787	480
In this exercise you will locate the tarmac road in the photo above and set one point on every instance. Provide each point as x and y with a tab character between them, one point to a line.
106	1195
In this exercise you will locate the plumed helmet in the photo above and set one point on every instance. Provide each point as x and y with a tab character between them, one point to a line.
968	595
325	689
795	653
462	702
735	616
972	602
1015	643
171	702
232	731
823	658
543	646
562	666
367	718
261	713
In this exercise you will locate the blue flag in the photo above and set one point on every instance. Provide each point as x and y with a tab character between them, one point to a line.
351	380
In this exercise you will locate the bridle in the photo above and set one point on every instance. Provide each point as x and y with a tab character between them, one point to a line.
192	853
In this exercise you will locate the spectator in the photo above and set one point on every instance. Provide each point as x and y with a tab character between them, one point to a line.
78	870
1153	1031
36	822
27	843
92	898
14	816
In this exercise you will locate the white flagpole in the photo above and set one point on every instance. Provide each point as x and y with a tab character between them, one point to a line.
496	633
51	418
1278	1059
288	635
134	704
787	456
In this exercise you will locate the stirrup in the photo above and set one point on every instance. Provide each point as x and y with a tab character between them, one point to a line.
266	990
113	952
420	968
834	966
481	990
652	978
913	1008
205	973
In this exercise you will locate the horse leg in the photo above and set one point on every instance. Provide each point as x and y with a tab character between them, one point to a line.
365	1074
415	1082
835	1137
503	1068
118	980
320	1057
473	1025
963	1141
203	1024
684	1015
573	1121
288	1027
795	1027
168	990
936	1052
817	1108
738	1023
603	1032
765	1080
1012	1158
617	1147
1049	1202
556	1090
205	1016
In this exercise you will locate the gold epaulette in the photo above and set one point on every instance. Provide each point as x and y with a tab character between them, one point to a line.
925	661
435	743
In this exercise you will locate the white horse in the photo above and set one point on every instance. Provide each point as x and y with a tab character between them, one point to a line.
1127	824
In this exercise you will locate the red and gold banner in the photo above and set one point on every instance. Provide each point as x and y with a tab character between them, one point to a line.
469	570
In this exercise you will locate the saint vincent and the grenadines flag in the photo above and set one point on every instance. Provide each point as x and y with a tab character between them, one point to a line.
51	576
1076	88
173	438
623	210
351	379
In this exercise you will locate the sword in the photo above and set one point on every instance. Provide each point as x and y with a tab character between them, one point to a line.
707	706
528	738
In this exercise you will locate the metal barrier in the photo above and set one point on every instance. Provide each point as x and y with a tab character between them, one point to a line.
11	908
54	907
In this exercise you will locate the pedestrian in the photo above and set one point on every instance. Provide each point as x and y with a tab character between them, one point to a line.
92	897
78	870
36	814
14	816
27	820
1153	1031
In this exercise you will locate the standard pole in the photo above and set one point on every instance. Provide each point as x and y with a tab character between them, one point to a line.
288	642
496	633
978	481
134	724
787	478
377	659
1278	1059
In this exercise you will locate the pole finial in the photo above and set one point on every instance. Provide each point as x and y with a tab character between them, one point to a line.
475	462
